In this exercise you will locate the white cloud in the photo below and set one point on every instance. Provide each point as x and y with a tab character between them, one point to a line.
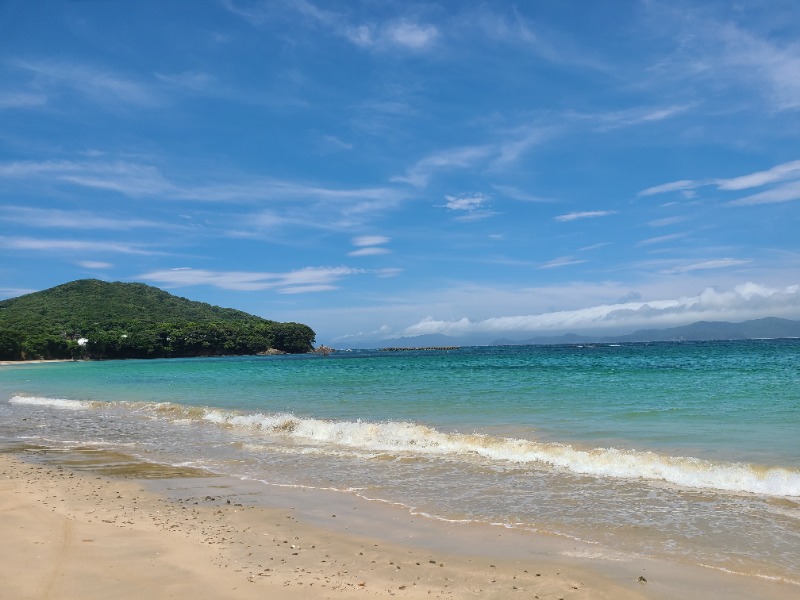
683	184
370	240
413	36
746	301
401	34
370	245
469	203
471	207
371	251
790	170
783	193
592	214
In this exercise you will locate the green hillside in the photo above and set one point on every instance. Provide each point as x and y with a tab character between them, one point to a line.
96	319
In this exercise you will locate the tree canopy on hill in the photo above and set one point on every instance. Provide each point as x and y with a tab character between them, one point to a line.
90	318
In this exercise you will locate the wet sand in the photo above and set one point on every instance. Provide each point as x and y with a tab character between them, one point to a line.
91	524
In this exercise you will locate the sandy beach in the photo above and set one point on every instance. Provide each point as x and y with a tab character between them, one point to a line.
87	525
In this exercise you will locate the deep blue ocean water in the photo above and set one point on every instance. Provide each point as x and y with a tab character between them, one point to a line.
685	450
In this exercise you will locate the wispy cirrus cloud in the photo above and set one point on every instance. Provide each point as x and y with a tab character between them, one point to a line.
782	181
419	174
673	186
517	194
636	116
138	180
562	261
310	279
778	173
63	219
130	179
59	245
725	53
589	214
490	23
103	87
21	100
189	80
370	240
666	221
749	58
370	245
95	264
661	239
402	33
369	251
469	207
720	263
509	145
788	192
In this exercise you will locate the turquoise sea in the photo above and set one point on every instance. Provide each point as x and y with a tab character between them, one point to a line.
687	451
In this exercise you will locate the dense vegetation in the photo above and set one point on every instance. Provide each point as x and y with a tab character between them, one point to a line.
100	320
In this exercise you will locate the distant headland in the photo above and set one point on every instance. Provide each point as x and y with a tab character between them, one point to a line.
93	319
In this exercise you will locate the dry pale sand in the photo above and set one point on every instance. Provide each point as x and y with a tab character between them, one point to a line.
72	529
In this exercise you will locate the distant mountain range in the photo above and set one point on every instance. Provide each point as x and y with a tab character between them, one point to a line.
770	327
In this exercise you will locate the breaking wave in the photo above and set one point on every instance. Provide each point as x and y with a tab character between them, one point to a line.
406	439
53	402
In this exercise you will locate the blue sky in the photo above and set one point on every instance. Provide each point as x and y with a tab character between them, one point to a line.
384	169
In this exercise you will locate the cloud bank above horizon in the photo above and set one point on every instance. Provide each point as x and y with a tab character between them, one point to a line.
746	301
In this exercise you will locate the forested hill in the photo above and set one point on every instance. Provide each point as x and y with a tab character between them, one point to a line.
90	318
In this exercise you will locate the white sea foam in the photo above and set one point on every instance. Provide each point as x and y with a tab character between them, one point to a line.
53	402
376	440
405	437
